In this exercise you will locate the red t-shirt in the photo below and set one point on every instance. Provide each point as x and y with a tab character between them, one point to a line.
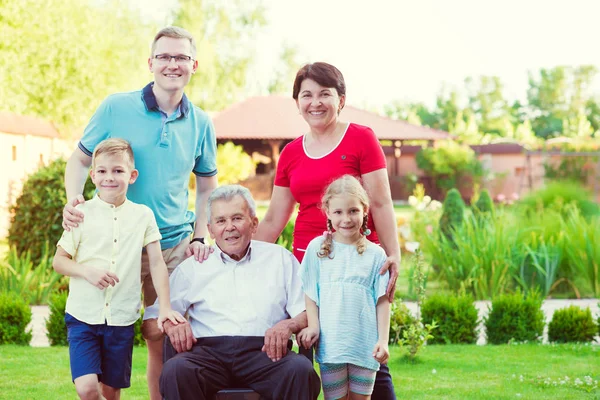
357	153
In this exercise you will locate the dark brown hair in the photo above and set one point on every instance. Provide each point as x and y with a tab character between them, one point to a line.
324	74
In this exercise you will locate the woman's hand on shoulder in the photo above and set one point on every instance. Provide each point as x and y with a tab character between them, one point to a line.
391	265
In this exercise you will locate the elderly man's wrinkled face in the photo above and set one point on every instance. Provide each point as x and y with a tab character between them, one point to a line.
231	226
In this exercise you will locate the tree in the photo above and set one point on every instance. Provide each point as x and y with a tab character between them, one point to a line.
488	104
63	57
224	32
285	73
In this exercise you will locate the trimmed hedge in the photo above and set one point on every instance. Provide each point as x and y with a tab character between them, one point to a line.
515	317
572	324
15	315
56	329
456	317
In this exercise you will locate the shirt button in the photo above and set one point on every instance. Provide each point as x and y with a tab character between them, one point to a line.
115	218
113	262
106	304
115	240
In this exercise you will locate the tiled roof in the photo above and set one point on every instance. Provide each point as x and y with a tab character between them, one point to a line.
276	117
25	125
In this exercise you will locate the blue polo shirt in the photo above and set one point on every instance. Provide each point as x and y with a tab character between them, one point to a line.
167	148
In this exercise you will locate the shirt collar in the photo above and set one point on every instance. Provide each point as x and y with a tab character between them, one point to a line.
149	100
226	259
101	203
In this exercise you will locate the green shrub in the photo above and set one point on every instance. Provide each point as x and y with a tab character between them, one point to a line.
453	212
287	236
450	164
234	163
15	315
559	193
572	324
138	339
400	319
56	329
484	203
19	276
515	317
37	213
456	317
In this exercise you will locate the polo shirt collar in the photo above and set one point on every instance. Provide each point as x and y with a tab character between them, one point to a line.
150	100
225	258
98	202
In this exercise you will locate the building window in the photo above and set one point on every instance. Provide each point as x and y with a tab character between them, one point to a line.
14	153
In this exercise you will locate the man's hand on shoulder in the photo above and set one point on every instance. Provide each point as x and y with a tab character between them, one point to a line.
199	250
276	340
71	216
180	335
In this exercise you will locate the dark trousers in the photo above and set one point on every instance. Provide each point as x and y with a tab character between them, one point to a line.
217	363
384	388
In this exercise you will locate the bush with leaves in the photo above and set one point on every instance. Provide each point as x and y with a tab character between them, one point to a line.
558	194
15	315
416	333
400	319
484	204
515	317
449	163
453	212
56	329
37	213
19	276
456	317
138	338
572	324
287	236
234	163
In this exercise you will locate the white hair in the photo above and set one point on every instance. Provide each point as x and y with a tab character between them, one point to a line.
228	192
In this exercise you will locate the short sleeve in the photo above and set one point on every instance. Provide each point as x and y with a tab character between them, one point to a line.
97	129
310	273
281	176
206	160
152	233
372	157
381	281
70	240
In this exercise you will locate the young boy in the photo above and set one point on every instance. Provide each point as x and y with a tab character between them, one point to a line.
103	258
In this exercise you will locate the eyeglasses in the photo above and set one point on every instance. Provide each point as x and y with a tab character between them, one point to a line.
166	59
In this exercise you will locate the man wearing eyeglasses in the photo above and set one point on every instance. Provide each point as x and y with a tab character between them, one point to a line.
171	138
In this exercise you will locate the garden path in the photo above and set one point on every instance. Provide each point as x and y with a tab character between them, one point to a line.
41	313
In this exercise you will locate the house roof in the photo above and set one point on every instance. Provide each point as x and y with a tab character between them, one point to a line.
276	117
26	125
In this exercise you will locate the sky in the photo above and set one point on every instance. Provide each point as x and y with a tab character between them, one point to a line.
404	50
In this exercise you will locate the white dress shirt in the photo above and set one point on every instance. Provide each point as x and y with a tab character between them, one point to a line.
224	297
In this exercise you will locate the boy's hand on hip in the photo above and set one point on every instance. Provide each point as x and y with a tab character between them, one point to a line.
199	250
100	278
71	216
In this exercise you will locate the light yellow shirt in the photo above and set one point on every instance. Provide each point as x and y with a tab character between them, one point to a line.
109	238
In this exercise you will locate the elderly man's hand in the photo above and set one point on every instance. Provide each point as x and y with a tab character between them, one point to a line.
181	335
276	340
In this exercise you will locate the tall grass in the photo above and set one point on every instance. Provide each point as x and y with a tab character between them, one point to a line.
34	283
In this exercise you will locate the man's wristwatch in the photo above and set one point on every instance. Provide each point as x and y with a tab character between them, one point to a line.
200	239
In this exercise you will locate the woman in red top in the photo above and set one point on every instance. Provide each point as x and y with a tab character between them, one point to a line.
330	149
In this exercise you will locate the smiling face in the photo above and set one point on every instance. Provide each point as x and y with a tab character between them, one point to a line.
112	174
232	226
319	105
170	77
346	214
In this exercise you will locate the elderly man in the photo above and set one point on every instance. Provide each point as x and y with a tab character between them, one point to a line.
243	303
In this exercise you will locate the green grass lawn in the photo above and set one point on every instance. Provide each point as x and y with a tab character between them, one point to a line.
441	372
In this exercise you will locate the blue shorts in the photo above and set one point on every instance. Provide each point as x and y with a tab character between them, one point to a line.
102	350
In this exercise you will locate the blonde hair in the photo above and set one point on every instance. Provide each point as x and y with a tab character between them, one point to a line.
347	185
114	146
174	32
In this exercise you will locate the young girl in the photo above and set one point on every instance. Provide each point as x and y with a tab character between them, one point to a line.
346	305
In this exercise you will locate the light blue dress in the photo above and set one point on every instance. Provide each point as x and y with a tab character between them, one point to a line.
346	289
